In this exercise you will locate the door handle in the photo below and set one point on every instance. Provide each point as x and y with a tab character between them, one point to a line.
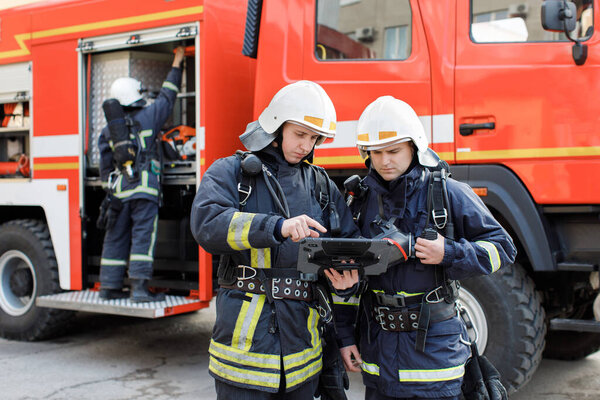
467	129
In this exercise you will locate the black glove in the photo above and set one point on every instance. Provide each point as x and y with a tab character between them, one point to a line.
108	212
482	379
103	213
333	379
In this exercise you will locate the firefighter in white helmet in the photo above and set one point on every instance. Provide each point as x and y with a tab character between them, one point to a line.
252	209
412	343
129	170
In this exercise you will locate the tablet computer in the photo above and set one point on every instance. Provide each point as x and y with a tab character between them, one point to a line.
370	256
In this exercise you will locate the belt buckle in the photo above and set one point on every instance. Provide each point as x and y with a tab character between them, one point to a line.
438	299
275	289
244	268
380	317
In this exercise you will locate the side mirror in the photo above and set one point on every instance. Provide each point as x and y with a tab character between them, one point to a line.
559	15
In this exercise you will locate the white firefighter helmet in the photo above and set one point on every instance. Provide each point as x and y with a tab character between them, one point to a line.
304	103
126	90
388	121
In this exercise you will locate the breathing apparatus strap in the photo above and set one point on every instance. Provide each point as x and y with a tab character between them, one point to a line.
246	181
323	195
436	204
438	209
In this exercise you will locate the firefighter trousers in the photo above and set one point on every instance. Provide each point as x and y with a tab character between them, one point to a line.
227	392
374	394
129	242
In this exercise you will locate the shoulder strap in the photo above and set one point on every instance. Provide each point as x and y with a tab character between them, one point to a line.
361	196
323	195
246	181
438	204
322	187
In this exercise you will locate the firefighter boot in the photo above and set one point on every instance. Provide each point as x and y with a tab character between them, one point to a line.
141	294
110	294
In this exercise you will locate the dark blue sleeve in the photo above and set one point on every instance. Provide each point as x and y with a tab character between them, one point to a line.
216	221
482	245
162	107
106	157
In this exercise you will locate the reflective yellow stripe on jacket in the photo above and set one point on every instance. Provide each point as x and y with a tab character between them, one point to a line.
431	375
237	234
493	255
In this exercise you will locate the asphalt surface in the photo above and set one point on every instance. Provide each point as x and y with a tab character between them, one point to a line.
111	357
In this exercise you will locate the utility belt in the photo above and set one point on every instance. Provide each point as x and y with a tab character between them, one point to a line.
282	287
407	320
394	312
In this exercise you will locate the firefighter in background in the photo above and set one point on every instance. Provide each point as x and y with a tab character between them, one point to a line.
133	185
252	209
412	342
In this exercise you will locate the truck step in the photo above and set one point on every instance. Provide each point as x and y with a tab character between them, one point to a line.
578	325
90	301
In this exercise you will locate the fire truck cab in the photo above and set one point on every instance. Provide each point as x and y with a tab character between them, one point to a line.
504	90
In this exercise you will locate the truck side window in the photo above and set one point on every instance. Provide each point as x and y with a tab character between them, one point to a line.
363	29
509	21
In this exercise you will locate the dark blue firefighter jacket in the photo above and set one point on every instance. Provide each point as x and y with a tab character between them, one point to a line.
482	246
246	349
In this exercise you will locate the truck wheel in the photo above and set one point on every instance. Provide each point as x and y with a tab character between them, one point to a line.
508	315
28	269
568	345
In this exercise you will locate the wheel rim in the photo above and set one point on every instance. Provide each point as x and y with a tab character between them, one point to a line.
475	311
11	303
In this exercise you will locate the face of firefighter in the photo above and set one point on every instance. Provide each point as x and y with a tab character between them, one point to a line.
392	161
297	142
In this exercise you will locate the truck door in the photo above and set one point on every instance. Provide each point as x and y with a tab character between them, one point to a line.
359	51
533	106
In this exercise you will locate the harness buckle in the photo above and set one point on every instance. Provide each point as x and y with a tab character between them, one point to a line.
275	288
398	300
436	293
245	190
323	200
443	217
243	268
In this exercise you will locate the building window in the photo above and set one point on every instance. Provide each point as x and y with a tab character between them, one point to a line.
510	21
396	43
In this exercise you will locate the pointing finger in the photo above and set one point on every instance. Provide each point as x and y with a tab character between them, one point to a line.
314	224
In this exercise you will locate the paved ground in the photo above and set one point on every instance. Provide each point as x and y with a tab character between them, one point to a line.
114	358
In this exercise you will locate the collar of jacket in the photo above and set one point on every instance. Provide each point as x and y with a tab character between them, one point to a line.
275	160
397	194
405	184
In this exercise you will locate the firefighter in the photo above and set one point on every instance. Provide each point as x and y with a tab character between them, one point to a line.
253	208
413	344
134	191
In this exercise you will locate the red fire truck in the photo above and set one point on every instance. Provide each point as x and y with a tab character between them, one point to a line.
504	91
